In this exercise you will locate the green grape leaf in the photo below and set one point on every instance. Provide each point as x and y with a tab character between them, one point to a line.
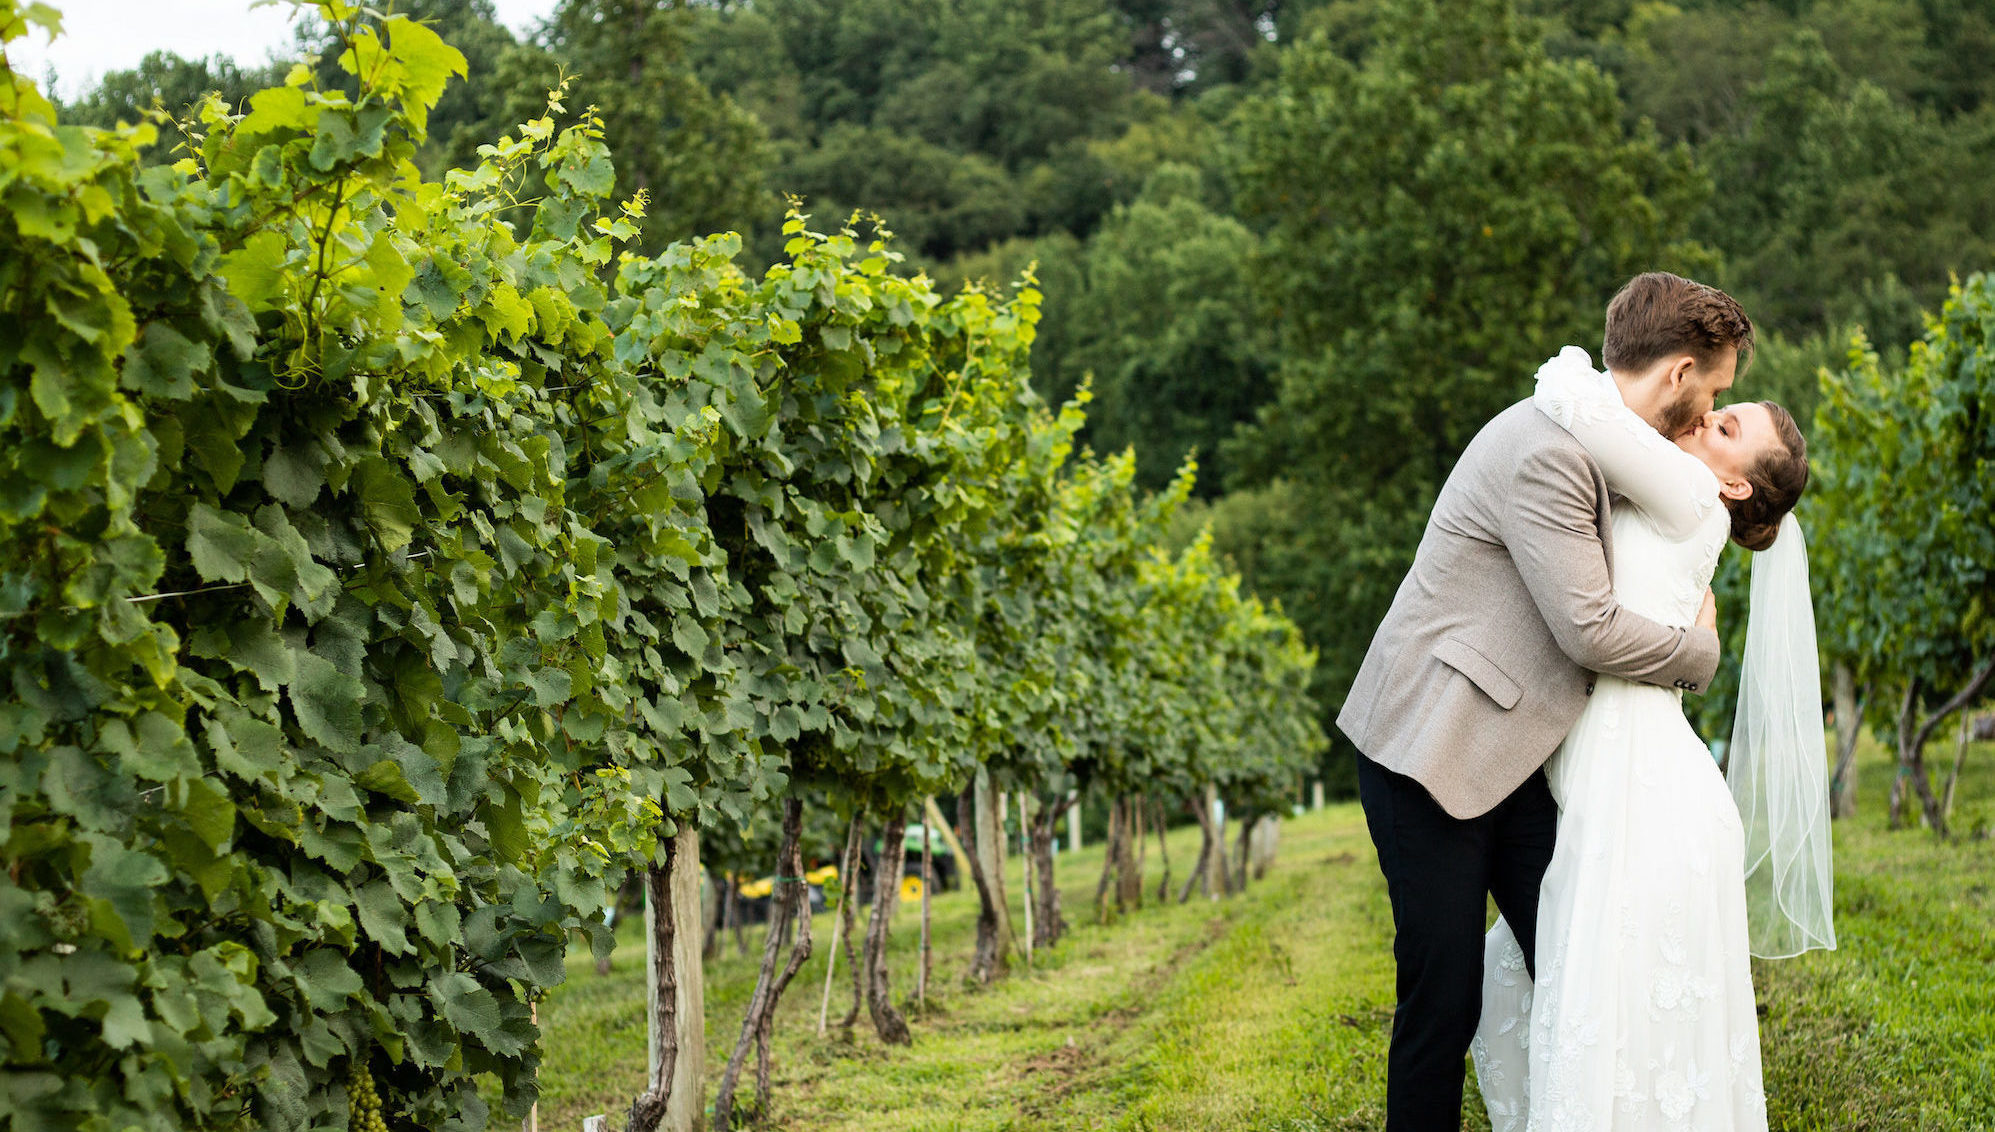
387	499
325	979
125	1023
383	916
163	362
220	544
210	812
124	880
256	271
466	1005
326	703
247	747
294	474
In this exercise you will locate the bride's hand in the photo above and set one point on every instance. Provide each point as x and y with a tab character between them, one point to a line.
1707	616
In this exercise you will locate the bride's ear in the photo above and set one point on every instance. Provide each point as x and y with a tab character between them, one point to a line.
1736	489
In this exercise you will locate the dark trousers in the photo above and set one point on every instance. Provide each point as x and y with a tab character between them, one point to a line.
1439	871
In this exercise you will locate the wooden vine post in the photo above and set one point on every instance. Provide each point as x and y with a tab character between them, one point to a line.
994	935
1025	868
675	983
927	888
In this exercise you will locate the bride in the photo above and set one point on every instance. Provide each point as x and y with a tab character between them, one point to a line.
1664	882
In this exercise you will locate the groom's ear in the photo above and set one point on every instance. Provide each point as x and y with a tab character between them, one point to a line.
1679	371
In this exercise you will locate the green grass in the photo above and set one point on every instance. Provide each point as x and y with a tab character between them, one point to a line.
1271	1011
1896	1028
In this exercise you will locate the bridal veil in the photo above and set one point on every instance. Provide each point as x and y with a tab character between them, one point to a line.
1778	756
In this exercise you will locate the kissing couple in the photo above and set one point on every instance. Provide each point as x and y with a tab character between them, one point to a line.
1521	736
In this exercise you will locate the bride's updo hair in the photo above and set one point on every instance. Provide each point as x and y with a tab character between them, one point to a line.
1778	479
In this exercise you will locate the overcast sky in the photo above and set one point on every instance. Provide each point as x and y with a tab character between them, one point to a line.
107	35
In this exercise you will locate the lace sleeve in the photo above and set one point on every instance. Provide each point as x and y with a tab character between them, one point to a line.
1673	488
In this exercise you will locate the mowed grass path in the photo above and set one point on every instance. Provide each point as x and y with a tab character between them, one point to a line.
1272	1010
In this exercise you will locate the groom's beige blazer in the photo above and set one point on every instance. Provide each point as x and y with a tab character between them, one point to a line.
1488	652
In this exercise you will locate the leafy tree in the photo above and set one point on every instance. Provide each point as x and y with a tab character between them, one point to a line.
391	564
964	124
1833	192
1189	46
1167	325
1692	71
1271	536
1436	220
476	108
943	203
257	610
1959	71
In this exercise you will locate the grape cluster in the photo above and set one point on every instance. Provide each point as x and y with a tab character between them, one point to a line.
363	1103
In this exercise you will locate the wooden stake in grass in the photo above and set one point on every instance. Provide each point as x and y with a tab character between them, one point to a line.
848	912
1163	852
714	914
790	900
1025	869
1246	836
532	1121
1216	813
949	840
1197	875
830	968
927	885
1111	845
1135	846
1959	760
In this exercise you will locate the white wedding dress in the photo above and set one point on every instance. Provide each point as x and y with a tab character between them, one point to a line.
1642	1016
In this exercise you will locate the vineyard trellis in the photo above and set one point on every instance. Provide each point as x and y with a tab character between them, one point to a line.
388	566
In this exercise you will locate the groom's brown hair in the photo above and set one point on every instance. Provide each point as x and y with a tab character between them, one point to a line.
1657	314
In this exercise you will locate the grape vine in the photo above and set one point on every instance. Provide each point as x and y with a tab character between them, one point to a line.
387	564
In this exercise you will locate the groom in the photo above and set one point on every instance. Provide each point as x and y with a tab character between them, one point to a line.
1483	663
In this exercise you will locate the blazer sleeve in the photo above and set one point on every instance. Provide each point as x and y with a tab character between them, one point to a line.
1550	527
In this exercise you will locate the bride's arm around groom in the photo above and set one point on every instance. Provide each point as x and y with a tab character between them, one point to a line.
1483	663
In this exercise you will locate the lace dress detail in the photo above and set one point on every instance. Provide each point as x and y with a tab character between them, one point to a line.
1642	1016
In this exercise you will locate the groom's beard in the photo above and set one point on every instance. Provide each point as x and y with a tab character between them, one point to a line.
1679	416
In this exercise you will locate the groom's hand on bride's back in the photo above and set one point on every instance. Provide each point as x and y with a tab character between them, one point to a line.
1707	615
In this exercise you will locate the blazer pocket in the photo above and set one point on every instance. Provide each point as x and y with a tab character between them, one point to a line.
1481	671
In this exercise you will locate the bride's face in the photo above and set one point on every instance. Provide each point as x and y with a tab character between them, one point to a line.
1730	441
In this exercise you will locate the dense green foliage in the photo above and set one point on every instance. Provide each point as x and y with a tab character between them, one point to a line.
288	820
388	561
1821	159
